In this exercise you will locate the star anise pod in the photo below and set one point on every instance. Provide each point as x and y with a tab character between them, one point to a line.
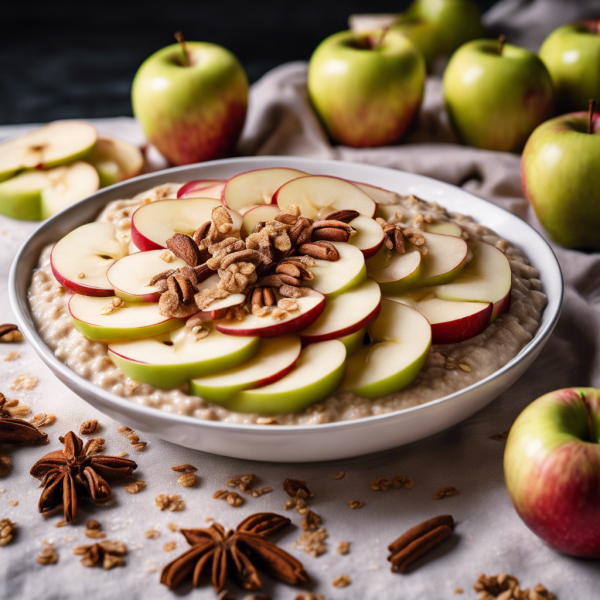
18	431
239	554
72	473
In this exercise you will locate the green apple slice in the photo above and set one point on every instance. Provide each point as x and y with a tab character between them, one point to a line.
487	278
49	146
319	195
400	342
317	374
445	228
353	341
20	197
275	358
115	160
130	275
132	320
81	259
153	224
446	256
380	260
166	361
68	185
369	236
335	277
402	272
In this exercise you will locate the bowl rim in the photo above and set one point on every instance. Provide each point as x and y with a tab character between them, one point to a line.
122	404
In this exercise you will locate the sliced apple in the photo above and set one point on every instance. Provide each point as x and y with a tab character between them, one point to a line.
310	308
400	342
274	359
115	160
487	278
132	320
319	195
345	314
168	360
335	277
354	341
132	248
317	374
378	194
68	185
444	227
256	214
380	260
81	259
153	224
214	191
21	196
257	187
49	146
192	188
369	236
231	300
402	272
130	275
387	212
446	256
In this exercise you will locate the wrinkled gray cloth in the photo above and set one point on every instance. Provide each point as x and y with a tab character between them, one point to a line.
489	537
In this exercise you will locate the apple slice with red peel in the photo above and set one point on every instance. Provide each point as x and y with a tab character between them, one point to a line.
214	191
487	278
132	248
81	259
132	320
369	235
68	185
274	359
402	272
445	228
54	144
345	314
257	187
192	189
256	214
310	308
319	195
166	361
400	342
446	256
316	375
378	194
115	160
153	224
130	276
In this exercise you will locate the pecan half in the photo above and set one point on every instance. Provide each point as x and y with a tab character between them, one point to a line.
344	215
7	328
184	247
321	250
297	269
202	232
182	287
162	276
330	234
301	232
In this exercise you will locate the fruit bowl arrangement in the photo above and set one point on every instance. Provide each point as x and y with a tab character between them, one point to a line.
296	283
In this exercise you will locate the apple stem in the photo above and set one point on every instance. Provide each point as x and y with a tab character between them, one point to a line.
591	106
502	40
186	53
381	37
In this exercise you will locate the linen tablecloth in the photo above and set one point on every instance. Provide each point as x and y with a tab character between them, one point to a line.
489	536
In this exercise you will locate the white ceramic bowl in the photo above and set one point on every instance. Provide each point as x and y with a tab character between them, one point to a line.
297	443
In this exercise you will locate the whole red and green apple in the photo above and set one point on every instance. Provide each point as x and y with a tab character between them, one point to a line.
561	180
366	87
496	94
191	100
552	469
571	54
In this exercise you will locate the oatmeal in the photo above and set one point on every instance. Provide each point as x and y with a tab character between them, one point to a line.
448	368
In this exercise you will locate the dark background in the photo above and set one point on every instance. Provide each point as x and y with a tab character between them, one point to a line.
65	60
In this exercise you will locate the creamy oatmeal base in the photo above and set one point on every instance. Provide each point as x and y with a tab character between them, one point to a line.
448	368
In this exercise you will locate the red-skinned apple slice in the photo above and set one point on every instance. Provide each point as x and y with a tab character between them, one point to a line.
487	278
446	256
310	308
274	359
319	195
130	276
402	272
257	187
82	258
153	224
256	214
192	188
369	236
214	191
345	314
132	320
378	194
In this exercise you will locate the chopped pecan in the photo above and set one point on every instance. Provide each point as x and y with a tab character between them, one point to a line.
170	305
344	215
294	269
246	255
394	237
181	287
184	247
320	250
162	276
202	232
296	488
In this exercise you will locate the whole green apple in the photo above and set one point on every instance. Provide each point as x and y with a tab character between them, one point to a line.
366	87
422	33
496	94
552	469
455	22
191	101
561	180
571	54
